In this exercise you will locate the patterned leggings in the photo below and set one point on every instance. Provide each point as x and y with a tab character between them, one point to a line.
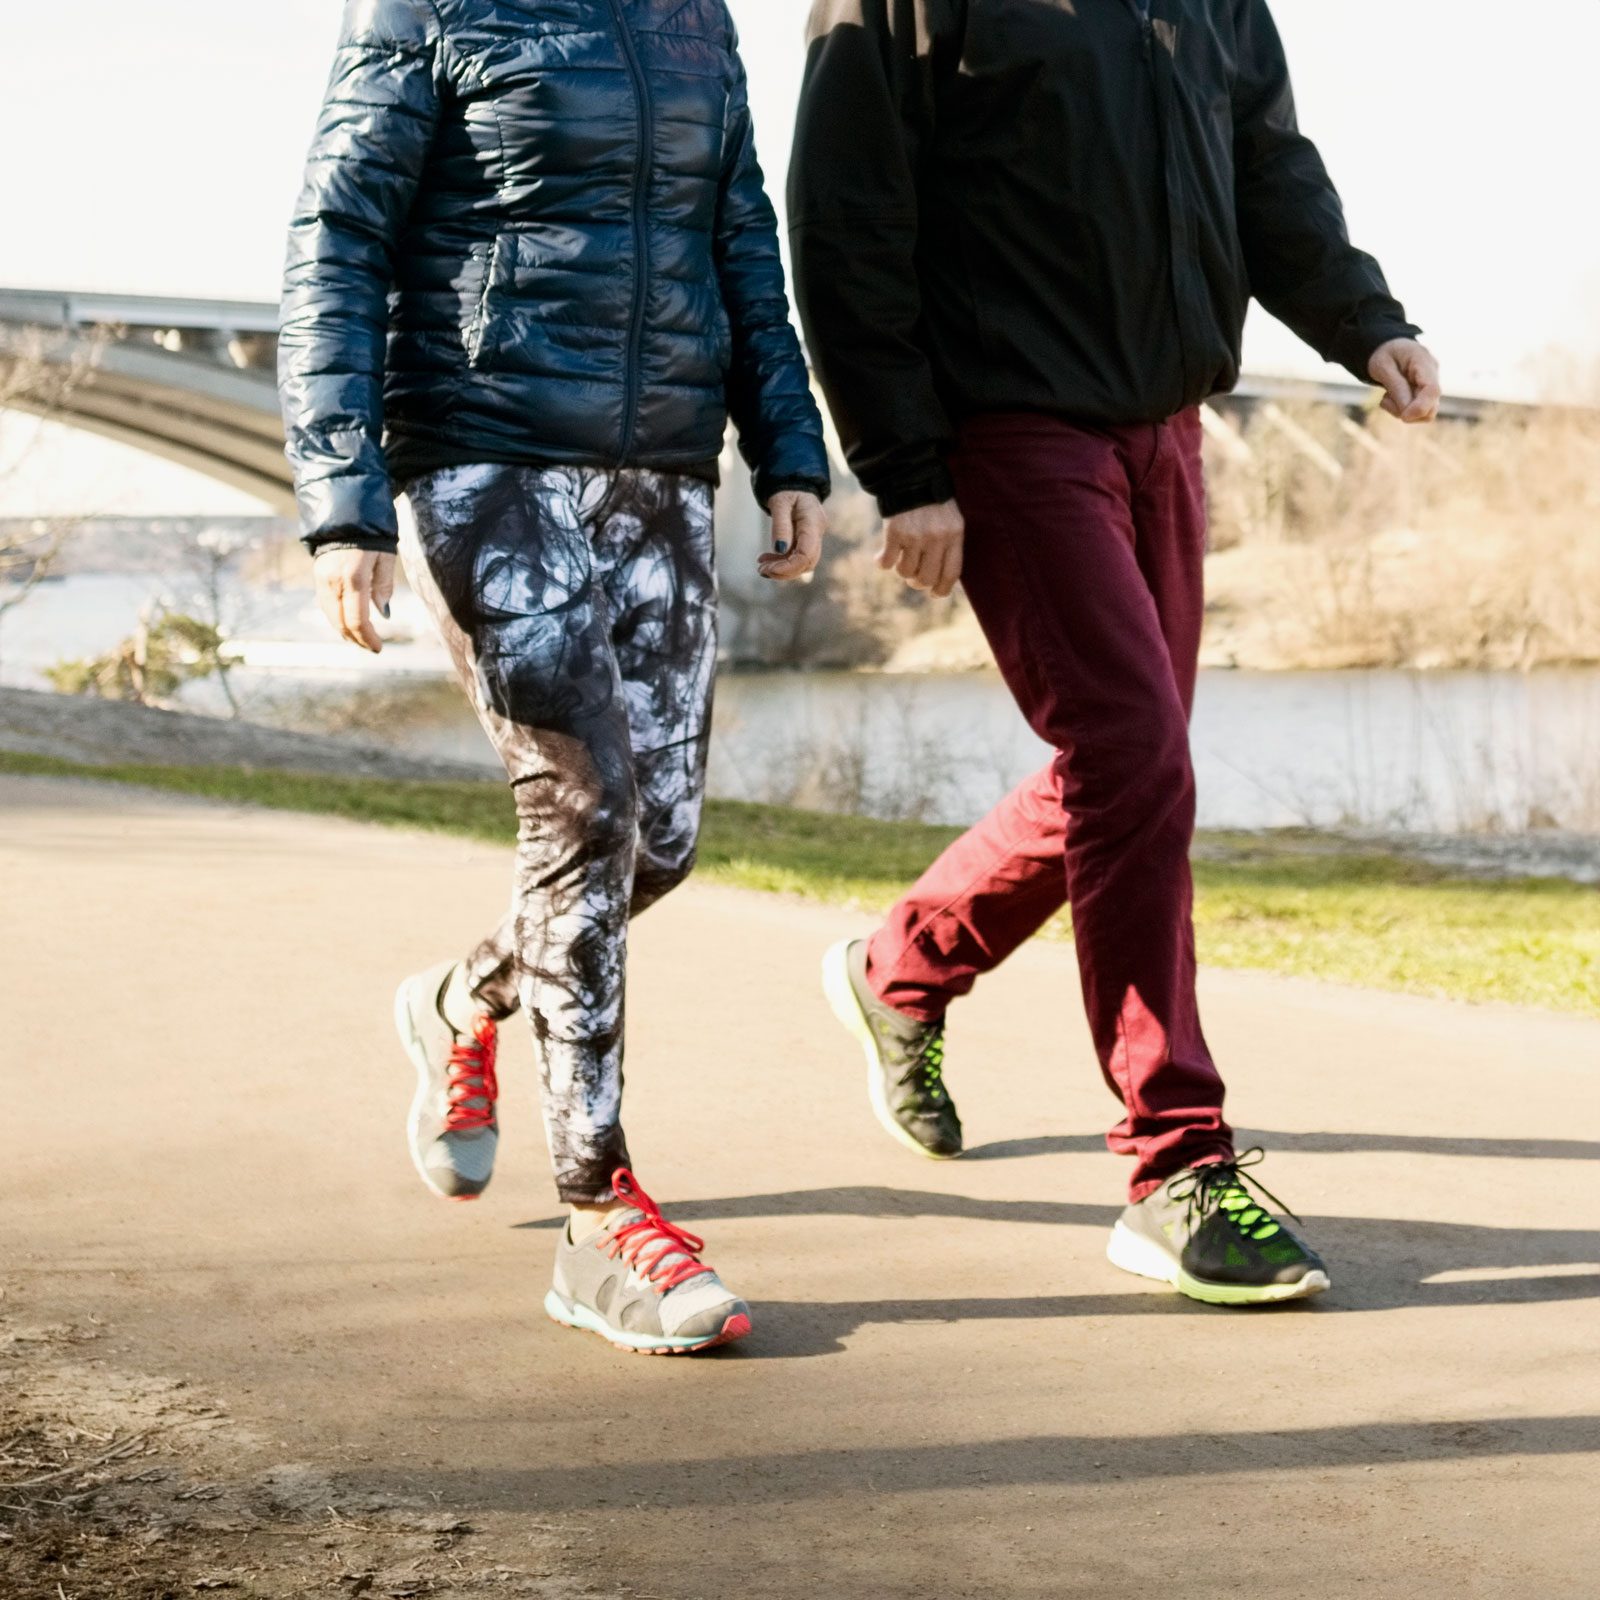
579	607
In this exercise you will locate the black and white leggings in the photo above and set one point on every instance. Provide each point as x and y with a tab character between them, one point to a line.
579	606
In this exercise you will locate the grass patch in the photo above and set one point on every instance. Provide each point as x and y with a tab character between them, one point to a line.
1303	904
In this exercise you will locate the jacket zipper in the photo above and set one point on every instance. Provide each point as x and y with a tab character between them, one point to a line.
1147	29
641	241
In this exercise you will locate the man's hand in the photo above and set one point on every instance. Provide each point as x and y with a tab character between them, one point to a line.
351	584
1410	379
798	524
924	547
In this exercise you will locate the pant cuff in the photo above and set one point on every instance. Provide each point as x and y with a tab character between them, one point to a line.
590	1183
1149	1180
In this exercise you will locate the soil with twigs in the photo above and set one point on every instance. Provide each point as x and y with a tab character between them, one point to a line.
121	1487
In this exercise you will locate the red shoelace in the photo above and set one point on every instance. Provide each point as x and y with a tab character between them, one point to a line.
633	1239
472	1079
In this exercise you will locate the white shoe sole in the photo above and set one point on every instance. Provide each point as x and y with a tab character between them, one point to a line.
841	996
640	1344
1146	1259
411	1040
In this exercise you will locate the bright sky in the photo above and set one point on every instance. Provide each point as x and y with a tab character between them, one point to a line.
155	146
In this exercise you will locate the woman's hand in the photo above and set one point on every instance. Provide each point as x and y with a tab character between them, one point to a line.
351	585
798	524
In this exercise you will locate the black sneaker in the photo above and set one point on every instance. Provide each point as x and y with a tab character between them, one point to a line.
1205	1234
905	1058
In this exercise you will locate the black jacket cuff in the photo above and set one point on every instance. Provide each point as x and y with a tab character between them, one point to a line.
1360	341
820	487
931	485
352	539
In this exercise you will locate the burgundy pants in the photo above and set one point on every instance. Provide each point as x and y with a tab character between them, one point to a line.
1083	562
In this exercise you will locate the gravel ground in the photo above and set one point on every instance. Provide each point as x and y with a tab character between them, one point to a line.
111	732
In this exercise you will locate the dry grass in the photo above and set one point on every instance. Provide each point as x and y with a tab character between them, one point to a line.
1341	544
1457	546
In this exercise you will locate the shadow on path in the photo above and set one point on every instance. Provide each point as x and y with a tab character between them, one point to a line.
879	1200
1379	1264
776	1478
1318	1144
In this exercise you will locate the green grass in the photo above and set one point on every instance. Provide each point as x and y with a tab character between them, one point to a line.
1304	903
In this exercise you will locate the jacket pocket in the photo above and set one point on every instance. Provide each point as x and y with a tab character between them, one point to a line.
479	339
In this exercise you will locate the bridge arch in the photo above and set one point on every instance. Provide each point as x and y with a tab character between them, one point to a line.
190	381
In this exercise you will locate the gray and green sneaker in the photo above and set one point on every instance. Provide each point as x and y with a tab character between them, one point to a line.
641	1284
452	1130
905	1058
1204	1233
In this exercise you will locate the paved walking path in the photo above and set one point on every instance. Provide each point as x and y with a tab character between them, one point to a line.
949	1392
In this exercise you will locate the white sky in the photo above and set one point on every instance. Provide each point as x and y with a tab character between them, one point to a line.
154	146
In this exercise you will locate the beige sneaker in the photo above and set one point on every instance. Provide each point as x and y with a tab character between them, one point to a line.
452	1130
641	1284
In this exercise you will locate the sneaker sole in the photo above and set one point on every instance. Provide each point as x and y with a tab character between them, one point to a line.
841	996
411	1042
639	1344
1145	1259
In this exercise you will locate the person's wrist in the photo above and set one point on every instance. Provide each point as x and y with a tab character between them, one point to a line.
808	486
372	544
932	486
1361	343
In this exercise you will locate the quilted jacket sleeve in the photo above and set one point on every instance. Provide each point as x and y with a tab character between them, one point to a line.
371	143
769	389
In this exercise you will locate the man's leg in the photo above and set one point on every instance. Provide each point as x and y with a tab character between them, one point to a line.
988	892
1005	877
1173	1091
1057	571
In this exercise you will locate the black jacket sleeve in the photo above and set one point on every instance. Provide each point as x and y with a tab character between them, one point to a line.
1297	250
769	388
371	142
863	118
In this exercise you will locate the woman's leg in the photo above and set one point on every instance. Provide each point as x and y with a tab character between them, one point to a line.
653	538
505	560
662	590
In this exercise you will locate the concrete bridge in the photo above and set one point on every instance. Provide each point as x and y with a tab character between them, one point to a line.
190	380
193	381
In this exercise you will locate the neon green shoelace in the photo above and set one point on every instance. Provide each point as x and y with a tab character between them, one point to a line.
1222	1186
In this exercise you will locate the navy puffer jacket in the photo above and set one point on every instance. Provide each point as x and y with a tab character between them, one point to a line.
534	231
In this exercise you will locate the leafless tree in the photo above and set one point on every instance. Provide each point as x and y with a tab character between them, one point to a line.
38	372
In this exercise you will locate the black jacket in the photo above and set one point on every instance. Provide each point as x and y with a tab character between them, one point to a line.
534	231
1054	205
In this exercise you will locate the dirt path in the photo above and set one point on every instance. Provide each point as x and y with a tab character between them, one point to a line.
949	1392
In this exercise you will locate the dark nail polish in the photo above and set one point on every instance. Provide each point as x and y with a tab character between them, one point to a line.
781	546
383	611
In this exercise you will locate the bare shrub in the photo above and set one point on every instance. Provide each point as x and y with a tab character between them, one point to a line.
38	372
1464	545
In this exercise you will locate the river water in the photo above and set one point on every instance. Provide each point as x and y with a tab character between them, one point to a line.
1438	752
1420	752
